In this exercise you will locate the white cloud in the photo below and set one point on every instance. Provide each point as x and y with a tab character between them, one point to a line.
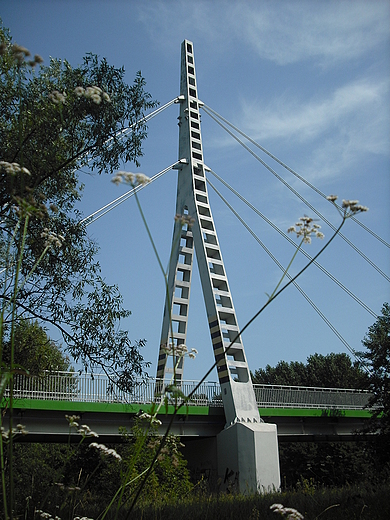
279	31
337	31
330	134
350	109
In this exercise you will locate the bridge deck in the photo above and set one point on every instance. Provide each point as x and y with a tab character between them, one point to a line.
87	388
301	413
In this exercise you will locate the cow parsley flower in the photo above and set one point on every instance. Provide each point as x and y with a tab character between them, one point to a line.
287	512
134	179
52	239
57	97
305	229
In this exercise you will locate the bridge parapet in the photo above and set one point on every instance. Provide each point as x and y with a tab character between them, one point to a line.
97	388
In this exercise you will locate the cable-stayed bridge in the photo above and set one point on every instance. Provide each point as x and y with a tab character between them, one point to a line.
224	416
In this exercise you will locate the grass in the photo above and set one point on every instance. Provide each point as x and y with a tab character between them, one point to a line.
360	502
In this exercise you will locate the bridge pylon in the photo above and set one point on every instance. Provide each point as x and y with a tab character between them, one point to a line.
247	447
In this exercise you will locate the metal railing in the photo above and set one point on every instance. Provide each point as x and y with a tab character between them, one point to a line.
97	388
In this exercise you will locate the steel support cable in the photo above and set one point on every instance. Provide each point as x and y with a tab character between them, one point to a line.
317	264
114	203
208	109
144	119
307	298
322	217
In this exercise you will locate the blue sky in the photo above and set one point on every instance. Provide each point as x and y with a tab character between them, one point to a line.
307	80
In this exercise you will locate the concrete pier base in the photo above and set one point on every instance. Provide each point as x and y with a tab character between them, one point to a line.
248	457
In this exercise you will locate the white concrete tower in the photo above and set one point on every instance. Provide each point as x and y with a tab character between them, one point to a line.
243	424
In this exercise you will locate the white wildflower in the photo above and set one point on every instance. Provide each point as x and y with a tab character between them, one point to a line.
106	97
38	59
141	178
86	431
96	99
331	198
13	168
128	177
72	420
135	179
145	415
57	97
305	229
21	429
52	239
181	349
352	207
79	91
287	512
106	451
184	219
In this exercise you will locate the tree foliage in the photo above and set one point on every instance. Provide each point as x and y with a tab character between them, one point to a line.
332	371
53	122
308	465
34	350
377	357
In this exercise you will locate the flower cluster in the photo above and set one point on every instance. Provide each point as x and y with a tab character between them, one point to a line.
184	220
349	206
170	450
179	350
135	179
20	54
46	516
13	168
19	430
86	431
144	416
94	93
57	97
105	450
52	239
288	512
353	206
305	229
72	420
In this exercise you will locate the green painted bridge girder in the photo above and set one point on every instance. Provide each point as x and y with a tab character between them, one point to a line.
193	410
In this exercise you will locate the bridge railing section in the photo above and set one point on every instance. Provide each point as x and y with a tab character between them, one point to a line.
273	396
71	386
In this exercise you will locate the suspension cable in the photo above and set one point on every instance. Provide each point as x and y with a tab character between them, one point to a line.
271	170
145	119
207	108
307	298
284	235
114	203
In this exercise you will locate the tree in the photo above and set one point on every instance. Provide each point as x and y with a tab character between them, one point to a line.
53	122
332	371
34	350
377	356
330	463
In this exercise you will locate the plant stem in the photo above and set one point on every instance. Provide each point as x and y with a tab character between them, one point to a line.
12	362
